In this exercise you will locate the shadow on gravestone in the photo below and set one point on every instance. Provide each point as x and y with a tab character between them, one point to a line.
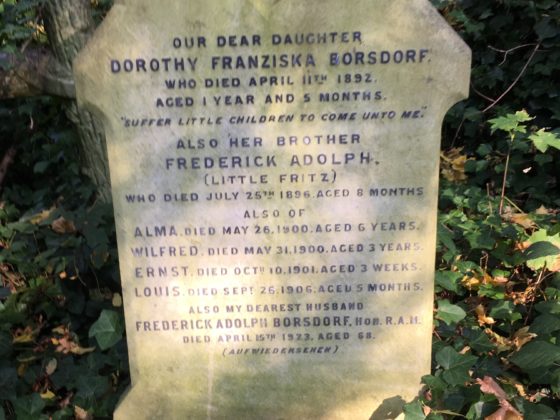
391	408
274	169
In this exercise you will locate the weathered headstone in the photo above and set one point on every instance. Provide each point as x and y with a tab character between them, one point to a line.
274	168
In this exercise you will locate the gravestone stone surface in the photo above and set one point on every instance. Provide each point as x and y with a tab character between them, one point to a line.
274	168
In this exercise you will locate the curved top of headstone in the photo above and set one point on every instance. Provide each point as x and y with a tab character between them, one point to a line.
136	29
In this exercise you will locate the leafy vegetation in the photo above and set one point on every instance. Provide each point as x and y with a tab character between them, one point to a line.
497	325
60	287
496	347
62	353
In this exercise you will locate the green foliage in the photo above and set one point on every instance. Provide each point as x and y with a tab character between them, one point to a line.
23	21
455	366
448	313
498	243
497	299
61	346
516	58
511	123
543	249
108	329
543	140
19	22
536	354
503	35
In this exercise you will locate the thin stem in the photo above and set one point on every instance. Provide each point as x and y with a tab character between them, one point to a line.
506	52
514	205
489	198
482	95
489	107
502	197
457	132
6	162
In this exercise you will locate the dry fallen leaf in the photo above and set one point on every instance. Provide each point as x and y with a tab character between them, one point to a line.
555	267
506	412
543	211
24	336
453	165
520	390
465	350
48	395
517	385
61	329
117	300
41	217
470	282
473	282
22	367
10	278
482	318
526	296
51	367
494	281
81	414
523	220
498	281
63	226
489	386
66	343
522	246
522	337
502	343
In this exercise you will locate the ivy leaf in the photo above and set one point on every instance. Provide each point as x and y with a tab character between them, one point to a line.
449	280
446	357
434	383
8	381
478	340
545	29
491	291
484	150
542	255
480	240
41	167
456	366
545	324
108	329
505	310
541	249
543	140
413	411
445	236
66	373
29	407
5	344
537	411
550	307
449	313
90	387
482	409
535	355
